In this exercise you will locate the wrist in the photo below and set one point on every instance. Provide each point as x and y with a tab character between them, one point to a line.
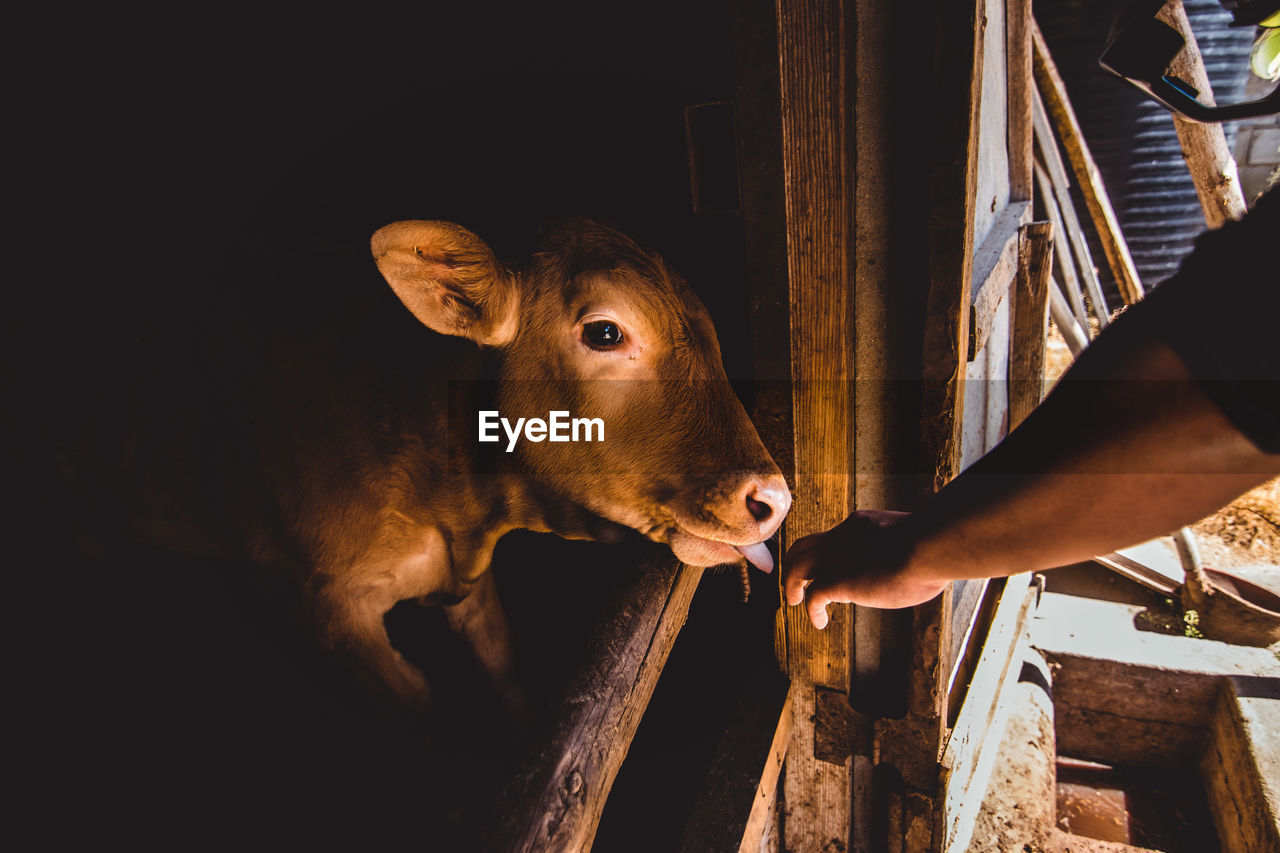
924	552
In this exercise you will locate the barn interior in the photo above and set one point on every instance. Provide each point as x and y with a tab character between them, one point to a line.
178	702
205	153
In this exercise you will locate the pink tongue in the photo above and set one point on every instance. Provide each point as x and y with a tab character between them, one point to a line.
758	555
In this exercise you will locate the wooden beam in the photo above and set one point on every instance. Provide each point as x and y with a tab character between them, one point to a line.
767	790
1204	146
813	49
1030	320
994	266
555	801
1021	85
1062	192
953	179
819	248
1086	171
1062	252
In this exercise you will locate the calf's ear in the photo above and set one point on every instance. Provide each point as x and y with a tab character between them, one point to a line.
450	280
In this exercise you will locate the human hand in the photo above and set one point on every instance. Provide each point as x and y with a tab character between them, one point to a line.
865	559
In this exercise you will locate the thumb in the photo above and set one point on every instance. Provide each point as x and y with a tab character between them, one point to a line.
817	596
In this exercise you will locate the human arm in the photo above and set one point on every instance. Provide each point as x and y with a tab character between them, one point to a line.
1135	441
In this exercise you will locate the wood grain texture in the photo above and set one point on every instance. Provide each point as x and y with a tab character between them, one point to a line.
815	156
817	795
1052	160
1204	146
910	745
555	801
1021	84
994	266
958	72
813	47
767	790
1054	92
1030	320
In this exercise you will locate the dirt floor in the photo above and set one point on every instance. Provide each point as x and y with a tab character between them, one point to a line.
1245	533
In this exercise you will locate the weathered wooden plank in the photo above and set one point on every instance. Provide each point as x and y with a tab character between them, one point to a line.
1086	171
1030	320
970	751
1204	146
813	48
1052	160
815	144
1062	260
1153	564
817	795
555	801
953	180
968	649
1021	84
992	140
910	745
767	790
994	266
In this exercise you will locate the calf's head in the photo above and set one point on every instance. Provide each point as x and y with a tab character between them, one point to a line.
600	328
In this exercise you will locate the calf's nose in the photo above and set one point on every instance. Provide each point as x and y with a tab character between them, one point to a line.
767	500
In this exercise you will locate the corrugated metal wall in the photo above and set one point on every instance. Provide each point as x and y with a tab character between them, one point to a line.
1132	138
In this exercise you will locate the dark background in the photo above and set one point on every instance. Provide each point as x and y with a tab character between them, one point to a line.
169	701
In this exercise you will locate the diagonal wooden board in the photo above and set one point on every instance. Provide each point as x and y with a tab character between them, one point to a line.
1153	564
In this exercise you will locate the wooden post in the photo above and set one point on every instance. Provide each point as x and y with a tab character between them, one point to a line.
1030	320
1086	171
1204	146
1021	86
910	745
813	46
951	237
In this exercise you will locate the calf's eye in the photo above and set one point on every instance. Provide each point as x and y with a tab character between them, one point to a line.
601	334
